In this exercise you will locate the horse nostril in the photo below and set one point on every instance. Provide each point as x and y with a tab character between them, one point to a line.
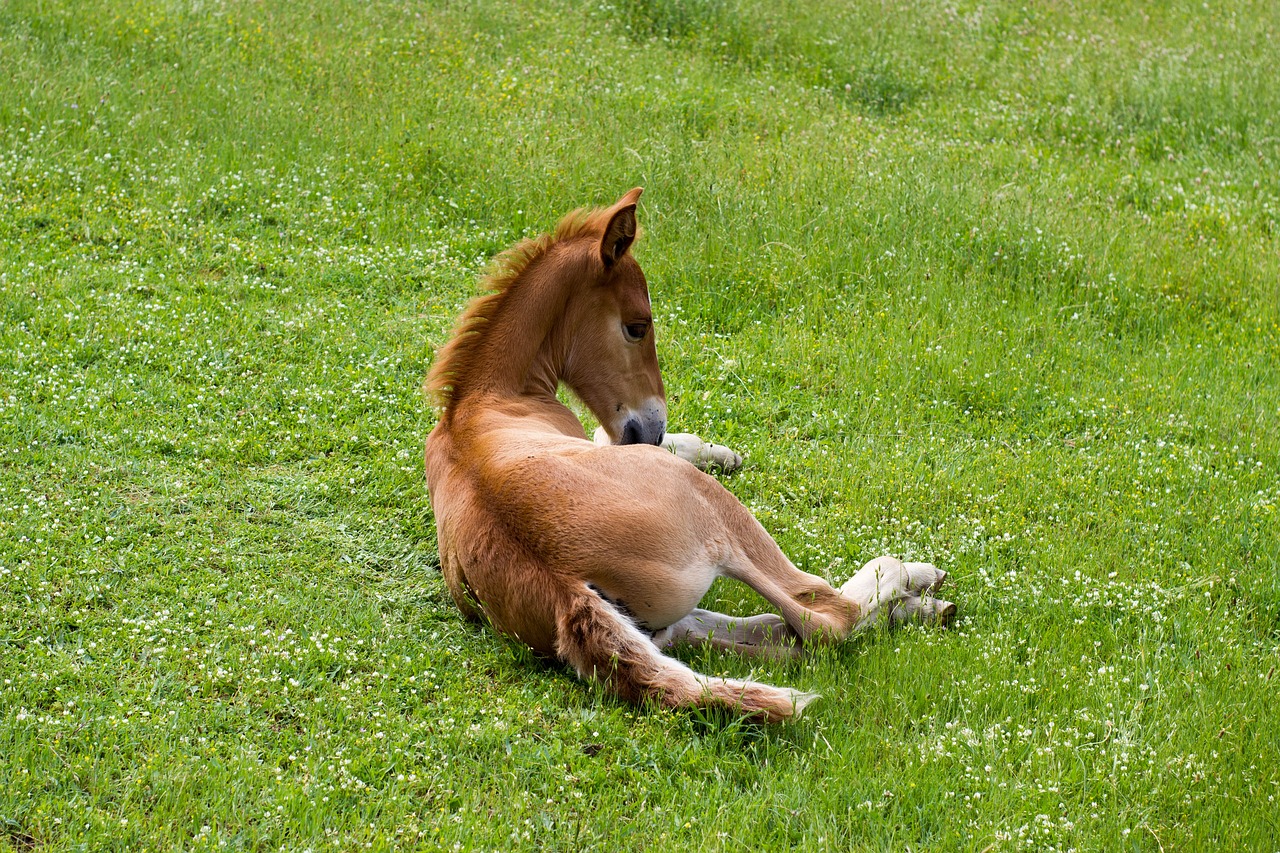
662	433
631	432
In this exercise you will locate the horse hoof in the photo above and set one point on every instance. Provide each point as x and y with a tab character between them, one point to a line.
946	613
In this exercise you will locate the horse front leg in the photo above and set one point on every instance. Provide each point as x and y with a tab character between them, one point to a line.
704	455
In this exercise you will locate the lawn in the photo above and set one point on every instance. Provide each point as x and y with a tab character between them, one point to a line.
994	285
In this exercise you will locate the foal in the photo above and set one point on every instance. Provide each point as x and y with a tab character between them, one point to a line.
599	555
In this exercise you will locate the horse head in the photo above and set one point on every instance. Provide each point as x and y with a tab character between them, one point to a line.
612	360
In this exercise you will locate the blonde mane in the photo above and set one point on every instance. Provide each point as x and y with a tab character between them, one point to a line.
455	359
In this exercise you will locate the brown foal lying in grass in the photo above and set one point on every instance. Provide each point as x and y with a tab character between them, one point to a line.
599	554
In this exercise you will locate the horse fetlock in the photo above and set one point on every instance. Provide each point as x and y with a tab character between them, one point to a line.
886	579
880	582
717	457
902	592
704	455
924	577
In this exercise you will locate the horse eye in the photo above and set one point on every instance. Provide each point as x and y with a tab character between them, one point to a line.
635	331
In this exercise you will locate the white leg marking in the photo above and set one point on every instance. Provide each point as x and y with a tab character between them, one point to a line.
888	586
703	454
765	635
922	608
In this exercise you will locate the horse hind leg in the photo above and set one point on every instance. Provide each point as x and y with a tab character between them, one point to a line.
766	635
812	608
882	597
887	588
604	645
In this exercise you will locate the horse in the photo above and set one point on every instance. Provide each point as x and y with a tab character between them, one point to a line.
597	554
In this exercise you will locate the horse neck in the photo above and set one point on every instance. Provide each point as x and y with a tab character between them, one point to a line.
524	345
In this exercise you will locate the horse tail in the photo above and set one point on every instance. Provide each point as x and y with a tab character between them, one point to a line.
604	645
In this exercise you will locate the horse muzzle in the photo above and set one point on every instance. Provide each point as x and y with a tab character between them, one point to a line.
645	426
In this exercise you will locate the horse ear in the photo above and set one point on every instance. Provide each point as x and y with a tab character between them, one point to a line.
620	233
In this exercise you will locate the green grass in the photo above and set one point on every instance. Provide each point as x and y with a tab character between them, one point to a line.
994	285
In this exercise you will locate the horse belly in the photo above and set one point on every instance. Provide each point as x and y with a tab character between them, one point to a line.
656	596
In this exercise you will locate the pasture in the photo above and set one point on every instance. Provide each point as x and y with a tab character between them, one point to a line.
994	285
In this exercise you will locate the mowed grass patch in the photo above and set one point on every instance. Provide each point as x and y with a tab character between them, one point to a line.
989	285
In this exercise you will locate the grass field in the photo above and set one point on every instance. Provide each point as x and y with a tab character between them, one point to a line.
990	284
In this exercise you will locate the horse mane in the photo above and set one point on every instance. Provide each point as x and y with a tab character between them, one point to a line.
454	360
